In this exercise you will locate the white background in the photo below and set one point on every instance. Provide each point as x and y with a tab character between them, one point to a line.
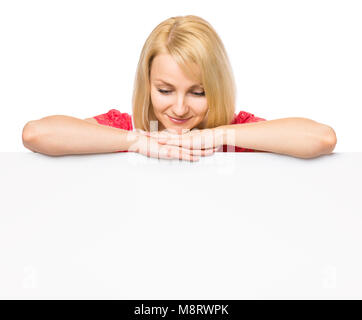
78	58
249	225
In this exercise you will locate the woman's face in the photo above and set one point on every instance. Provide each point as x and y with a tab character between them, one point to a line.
176	96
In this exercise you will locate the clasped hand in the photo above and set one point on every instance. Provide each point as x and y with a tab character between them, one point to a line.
189	145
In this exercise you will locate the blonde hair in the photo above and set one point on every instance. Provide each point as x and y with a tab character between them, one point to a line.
189	40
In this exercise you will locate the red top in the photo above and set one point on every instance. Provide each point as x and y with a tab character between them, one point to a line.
115	118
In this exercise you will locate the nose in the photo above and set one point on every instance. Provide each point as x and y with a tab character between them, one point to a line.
180	109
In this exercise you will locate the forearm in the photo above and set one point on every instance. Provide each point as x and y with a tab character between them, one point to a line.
61	135
298	137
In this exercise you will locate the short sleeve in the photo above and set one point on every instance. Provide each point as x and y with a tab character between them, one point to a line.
114	118
242	117
245	117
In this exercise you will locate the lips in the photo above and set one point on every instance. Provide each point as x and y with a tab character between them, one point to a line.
175	120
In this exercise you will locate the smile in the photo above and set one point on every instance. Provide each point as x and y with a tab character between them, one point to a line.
177	121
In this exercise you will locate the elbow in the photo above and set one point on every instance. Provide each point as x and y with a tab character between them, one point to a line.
35	139
29	133
329	141
322	145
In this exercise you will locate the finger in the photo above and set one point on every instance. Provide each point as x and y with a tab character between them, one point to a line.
188	144
184	141
184	154
169	152
162	137
198	152
170	140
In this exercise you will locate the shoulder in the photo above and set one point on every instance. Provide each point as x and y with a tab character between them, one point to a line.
115	118
245	117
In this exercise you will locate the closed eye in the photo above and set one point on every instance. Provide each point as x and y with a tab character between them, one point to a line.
200	94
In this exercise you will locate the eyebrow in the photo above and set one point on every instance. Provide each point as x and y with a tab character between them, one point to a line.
165	82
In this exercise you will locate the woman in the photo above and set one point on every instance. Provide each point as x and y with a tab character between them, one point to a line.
183	108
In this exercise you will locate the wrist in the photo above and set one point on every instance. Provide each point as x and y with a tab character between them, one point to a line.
130	140
226	133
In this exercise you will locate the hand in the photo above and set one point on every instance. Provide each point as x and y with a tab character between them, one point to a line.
191	140
150	147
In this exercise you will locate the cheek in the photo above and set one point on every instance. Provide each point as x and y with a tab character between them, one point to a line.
200	108
158	102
